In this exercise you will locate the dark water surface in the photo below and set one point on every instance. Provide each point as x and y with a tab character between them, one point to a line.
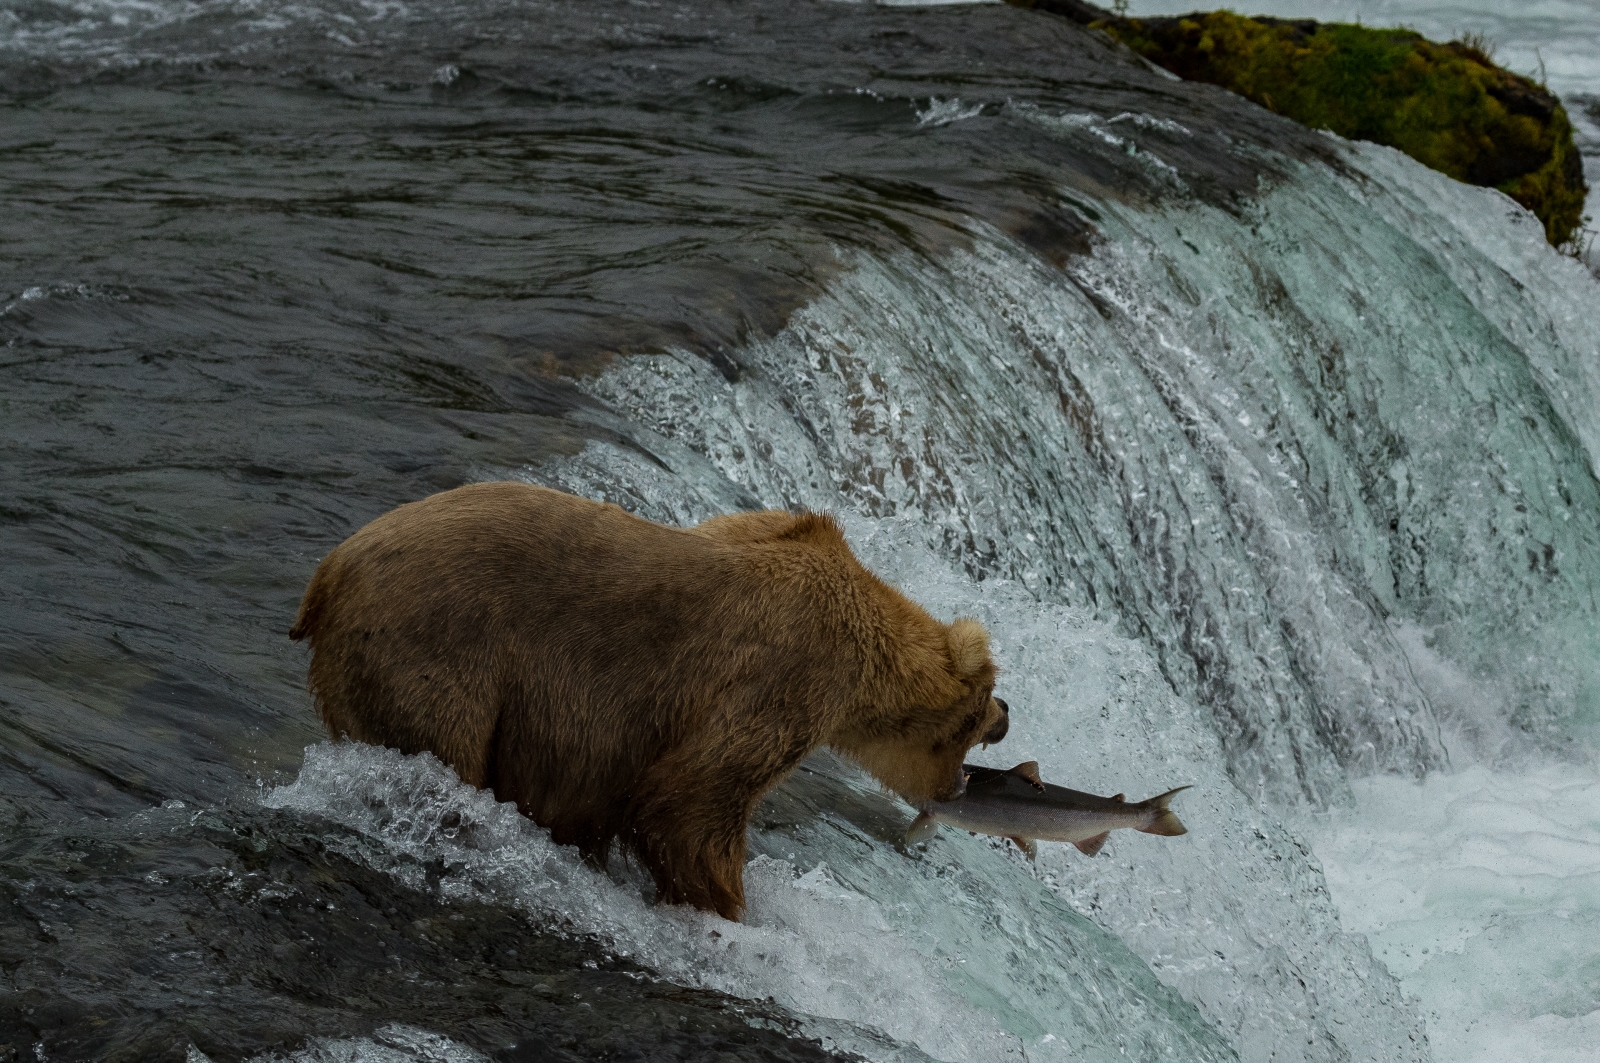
267	271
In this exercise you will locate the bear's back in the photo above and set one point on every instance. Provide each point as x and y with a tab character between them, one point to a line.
550	646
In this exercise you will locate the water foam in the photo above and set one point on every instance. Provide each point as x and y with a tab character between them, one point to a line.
391	1043
1481	891
1328	474
893	958
1213	507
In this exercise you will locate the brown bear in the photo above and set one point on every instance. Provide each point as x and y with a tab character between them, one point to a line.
623	679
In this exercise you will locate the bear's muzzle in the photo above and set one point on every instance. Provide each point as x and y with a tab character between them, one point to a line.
1001	726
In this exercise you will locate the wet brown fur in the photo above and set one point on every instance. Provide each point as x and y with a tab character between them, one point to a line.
623	679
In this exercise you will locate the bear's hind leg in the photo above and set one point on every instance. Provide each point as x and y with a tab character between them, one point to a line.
407	702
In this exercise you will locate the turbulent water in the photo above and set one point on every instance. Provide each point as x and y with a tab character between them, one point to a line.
1478	890
1268	460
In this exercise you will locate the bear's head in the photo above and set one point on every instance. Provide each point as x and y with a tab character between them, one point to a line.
916	742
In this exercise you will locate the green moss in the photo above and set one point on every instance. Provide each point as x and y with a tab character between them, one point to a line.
1446	105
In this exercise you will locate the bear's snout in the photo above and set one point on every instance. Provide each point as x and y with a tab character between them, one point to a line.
1001	726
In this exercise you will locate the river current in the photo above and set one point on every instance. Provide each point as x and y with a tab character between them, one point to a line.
1268	460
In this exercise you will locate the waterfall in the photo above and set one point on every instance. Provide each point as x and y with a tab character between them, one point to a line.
1245	498
1271	446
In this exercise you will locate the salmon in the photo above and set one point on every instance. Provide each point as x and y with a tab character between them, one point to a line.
1015	803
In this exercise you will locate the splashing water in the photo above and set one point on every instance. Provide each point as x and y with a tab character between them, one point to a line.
1481	891
877	949
1252	465
392	1043
1361	504
1363	476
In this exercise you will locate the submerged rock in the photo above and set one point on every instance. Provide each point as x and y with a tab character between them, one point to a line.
1446	105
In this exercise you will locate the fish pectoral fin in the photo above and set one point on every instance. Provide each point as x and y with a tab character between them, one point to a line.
1090	846
922	828
1029	769
1027	845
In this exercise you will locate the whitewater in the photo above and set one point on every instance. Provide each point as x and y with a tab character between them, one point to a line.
1400	887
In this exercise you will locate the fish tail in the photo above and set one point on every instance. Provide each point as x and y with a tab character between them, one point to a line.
1164	822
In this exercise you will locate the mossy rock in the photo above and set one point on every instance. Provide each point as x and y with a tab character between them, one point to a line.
1446	105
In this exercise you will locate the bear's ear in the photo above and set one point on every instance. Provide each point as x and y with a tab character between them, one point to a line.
969	647
811	526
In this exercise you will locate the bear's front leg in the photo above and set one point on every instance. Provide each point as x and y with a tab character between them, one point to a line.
692	808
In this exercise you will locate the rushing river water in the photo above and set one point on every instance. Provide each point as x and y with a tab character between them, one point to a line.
1268	459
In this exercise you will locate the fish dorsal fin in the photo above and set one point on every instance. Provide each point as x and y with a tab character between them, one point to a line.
1090	846
1027	845
1119	797
922	828
1029	769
